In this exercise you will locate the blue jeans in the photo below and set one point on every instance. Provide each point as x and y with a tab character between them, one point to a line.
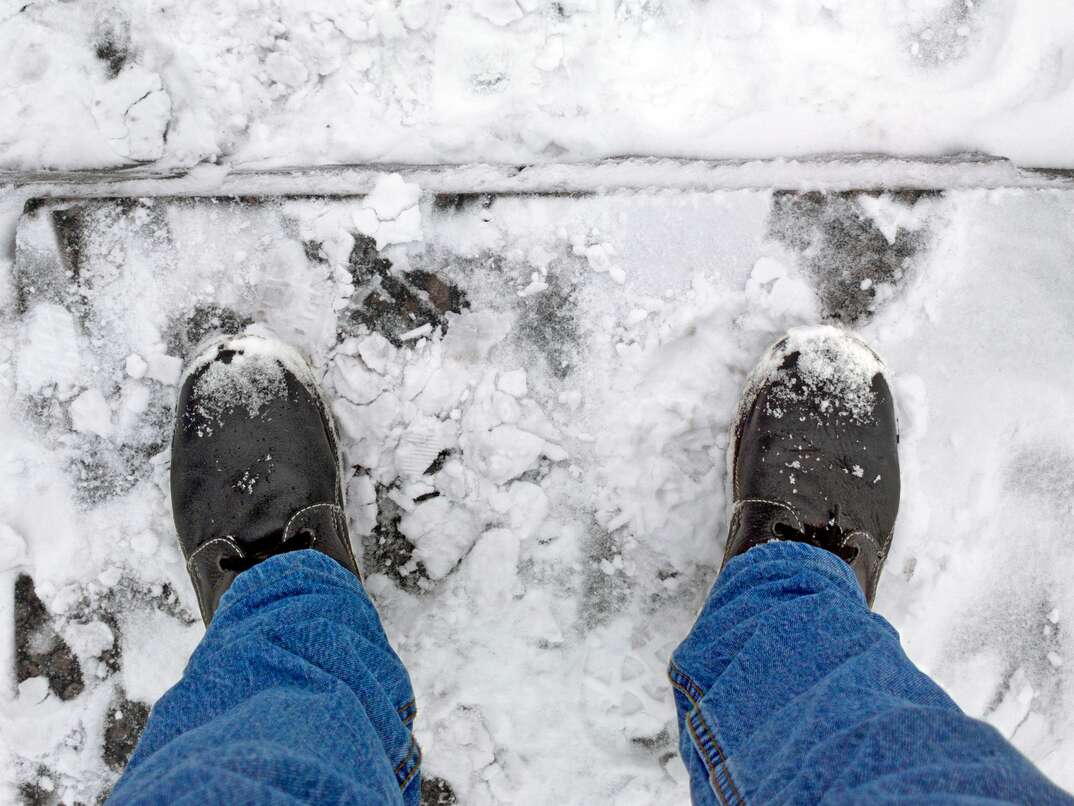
788	691
293	696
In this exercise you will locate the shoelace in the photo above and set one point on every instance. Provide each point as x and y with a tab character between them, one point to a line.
303	539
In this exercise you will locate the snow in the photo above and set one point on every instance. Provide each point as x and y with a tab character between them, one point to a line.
832	367
251	377
136	366
557	461
390	214
56	361
512	382
554	449
91	414
264	83
164	368
115	83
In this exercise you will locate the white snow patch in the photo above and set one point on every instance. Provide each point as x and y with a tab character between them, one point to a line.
513	382
136	366
442	532
50	351
91	414
164	368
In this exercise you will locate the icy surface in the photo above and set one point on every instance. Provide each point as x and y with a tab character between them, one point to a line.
534	399
121	82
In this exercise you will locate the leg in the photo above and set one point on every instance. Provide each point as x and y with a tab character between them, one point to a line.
789	690
294	695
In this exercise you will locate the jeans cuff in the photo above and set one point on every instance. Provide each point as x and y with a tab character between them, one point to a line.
802	556
274	569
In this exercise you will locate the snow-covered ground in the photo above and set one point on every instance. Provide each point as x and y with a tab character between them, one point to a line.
535	394
534	390
116	82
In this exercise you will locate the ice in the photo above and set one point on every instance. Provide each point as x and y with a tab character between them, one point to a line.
417	333
891	216
132	112
376	351
91	414
442	533
395	215
504	452
526	506
56	360
355	381
164	368
391	197
420	444
136	366
33	690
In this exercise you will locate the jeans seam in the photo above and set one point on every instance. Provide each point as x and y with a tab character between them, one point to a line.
723	783
686	685
409	766
408	712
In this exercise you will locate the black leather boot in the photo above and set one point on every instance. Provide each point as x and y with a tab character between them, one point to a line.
815	456
255	464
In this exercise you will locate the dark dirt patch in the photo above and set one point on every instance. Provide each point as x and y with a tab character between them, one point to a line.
189	330
39	274
549	321
365	261
39	649
603	593
393	303
437	792
38	792
656	743
438	462
76	227
102	470
123	726
843	249
314	251
460	202
387	550
45	410
113	47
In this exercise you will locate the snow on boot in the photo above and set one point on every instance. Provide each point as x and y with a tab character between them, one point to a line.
255	464
815	455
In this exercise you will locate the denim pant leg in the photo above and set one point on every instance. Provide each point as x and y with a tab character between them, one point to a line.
789	690
293	696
